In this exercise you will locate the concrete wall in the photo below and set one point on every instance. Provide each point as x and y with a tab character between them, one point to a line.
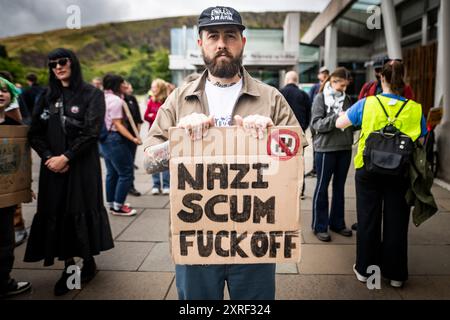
443	130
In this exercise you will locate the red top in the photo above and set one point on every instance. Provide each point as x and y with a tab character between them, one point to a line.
370	88
152	110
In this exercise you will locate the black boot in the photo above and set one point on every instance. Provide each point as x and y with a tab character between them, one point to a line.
89	270
61	287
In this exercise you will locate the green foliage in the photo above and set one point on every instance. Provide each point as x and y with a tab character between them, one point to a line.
145	70
19	72
159	64
14	67
147	49
141	77
42	75
3	52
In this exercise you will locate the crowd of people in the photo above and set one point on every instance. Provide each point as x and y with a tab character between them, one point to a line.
73	123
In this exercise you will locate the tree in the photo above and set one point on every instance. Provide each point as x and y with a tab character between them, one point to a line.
14	67
159	64
3	52
143	72
140	77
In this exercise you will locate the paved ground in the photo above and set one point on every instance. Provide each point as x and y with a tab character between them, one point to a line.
139	267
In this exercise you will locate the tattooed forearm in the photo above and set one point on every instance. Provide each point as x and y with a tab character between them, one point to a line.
156	158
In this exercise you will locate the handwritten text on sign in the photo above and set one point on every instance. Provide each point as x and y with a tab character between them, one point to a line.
234	204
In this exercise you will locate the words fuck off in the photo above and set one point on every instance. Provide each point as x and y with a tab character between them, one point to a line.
255	210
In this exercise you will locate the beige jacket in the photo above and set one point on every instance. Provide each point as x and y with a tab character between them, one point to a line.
255	98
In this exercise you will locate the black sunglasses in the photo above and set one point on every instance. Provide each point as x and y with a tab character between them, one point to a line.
62	62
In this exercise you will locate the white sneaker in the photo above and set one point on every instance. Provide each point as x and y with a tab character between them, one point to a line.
396	284
166	191
155	191
360	277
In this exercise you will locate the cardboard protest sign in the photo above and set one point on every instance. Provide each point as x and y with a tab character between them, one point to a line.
15	166
234	199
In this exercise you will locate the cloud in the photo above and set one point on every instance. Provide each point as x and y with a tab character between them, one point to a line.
178	7
26	16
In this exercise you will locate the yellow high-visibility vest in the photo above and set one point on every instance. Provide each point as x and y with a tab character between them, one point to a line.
408	122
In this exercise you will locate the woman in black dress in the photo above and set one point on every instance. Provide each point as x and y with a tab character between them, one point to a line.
71	220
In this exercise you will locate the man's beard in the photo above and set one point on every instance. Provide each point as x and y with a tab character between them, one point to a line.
223	69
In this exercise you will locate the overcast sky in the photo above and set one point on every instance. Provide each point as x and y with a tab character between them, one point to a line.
33	16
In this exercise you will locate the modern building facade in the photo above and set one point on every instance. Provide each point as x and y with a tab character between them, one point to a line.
354	34
269	53
416	31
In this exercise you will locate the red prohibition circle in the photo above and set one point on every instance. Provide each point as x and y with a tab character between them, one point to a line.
275	136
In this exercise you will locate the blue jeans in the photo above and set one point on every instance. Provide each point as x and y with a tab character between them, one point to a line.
244	281
119	167
165	180
330	164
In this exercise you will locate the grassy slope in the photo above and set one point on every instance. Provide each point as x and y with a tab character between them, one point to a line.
118	46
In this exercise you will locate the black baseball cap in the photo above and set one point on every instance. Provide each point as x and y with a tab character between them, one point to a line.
218	16
380	63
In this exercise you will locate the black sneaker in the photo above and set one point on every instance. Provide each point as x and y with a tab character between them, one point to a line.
88	271
323	236
311	174
343	232
355	227
61	288
14	288
134	192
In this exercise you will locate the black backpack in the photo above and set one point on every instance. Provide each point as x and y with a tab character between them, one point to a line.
388	150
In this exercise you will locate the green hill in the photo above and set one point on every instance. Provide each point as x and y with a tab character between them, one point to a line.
117	47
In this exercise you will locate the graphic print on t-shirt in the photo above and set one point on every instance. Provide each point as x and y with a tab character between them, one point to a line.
223	121
221	102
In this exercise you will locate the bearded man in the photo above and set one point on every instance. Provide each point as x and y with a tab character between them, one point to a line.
224	95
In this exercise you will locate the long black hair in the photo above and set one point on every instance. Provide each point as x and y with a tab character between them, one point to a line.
76	77
113	82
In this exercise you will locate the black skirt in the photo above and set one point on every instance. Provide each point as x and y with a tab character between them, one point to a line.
71	220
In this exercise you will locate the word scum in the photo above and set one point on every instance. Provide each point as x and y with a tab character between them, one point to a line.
256	210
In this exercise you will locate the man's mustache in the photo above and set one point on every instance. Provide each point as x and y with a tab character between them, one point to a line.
223	53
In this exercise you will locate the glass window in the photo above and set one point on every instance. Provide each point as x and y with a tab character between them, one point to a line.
182	41
270	77
264	40
412	28
308	72
309	57
432	24
175	42
308	53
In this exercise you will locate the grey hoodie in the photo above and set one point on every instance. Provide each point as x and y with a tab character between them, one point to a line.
327	137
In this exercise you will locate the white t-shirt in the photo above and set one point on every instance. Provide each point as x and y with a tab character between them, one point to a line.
221	102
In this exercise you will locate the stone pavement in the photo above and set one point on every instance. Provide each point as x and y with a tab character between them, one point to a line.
139	267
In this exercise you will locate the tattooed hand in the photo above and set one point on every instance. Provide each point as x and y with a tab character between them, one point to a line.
196	125
254	124
156	158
